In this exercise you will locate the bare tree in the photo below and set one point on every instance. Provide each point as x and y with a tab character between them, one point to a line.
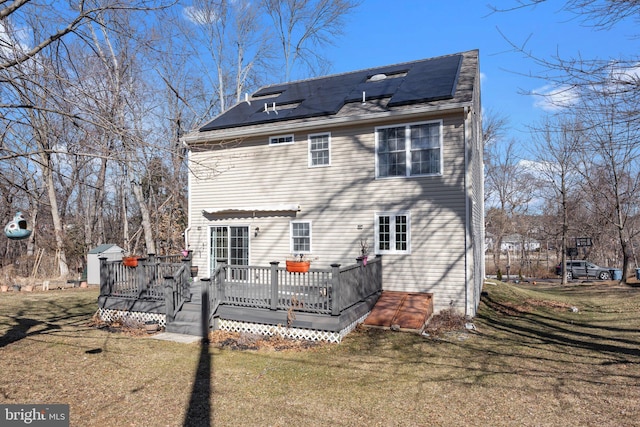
229	36
94	101
557	147
494	126
598	13
604	94
303	27
55	20
509	190
610	168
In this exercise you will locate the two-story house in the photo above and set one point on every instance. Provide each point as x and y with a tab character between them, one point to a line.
390	156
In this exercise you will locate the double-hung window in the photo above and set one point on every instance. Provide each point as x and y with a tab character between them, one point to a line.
300	237
393	233
409	150
319	149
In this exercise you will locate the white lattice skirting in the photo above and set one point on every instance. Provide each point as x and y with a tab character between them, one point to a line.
291	333
110	315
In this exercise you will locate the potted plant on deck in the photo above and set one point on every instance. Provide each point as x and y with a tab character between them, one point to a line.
130	261
364	251
298	264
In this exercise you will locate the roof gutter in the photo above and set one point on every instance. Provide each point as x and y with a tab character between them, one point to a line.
196	137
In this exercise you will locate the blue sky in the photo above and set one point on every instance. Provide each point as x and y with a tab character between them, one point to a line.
382	32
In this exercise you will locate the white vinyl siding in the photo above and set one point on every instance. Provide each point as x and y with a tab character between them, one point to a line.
341	201
320	149
413	149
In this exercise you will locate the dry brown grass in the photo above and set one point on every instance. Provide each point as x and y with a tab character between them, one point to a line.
531	362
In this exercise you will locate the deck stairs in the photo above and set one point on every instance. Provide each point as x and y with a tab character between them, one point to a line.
188	320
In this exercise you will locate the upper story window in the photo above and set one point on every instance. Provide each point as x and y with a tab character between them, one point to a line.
281	139
320	149
300	237
409	150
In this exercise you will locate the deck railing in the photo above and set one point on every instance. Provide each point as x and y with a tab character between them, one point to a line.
323	291
177	290
146	281
320	291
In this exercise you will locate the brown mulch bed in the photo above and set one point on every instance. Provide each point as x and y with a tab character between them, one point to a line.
246	341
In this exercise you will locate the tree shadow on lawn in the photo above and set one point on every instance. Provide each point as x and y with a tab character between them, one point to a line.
564	333
28	321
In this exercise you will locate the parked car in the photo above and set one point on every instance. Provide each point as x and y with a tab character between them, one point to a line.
584	269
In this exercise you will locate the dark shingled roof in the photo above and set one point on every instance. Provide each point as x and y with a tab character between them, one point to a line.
415	82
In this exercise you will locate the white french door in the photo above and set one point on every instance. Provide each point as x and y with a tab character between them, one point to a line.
228	244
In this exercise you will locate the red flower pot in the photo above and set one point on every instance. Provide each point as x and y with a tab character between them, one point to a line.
130	261
298	266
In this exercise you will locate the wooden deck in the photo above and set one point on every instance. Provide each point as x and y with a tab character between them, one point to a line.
401	310
331	300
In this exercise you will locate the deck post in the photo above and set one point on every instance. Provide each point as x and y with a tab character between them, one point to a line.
184	281
223	275
274	284
152	272
141	277
361	273
169	298
105	288
336	304
205	312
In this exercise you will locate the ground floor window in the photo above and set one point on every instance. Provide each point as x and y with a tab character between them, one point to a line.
300	237
393	232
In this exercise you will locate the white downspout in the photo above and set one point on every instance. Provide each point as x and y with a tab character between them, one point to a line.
466	211
188	229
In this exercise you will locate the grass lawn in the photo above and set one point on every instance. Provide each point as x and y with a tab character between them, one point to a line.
532	361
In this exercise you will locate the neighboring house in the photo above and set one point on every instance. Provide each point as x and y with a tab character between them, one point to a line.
516	243
389	155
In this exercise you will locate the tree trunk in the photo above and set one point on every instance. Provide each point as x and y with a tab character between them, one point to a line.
55	216
144	213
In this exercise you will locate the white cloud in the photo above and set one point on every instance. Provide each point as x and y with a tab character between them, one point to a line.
554	98
12	43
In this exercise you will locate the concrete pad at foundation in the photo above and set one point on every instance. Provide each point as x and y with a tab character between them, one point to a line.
181	338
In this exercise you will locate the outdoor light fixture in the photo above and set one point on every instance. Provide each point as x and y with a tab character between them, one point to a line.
257	231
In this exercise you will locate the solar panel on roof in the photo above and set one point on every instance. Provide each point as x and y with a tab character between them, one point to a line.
429	81
421	81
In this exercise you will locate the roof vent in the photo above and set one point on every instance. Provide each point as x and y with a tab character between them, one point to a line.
377	77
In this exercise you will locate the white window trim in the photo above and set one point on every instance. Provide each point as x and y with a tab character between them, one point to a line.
311	135
271	138
392	230
407	127
310	237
